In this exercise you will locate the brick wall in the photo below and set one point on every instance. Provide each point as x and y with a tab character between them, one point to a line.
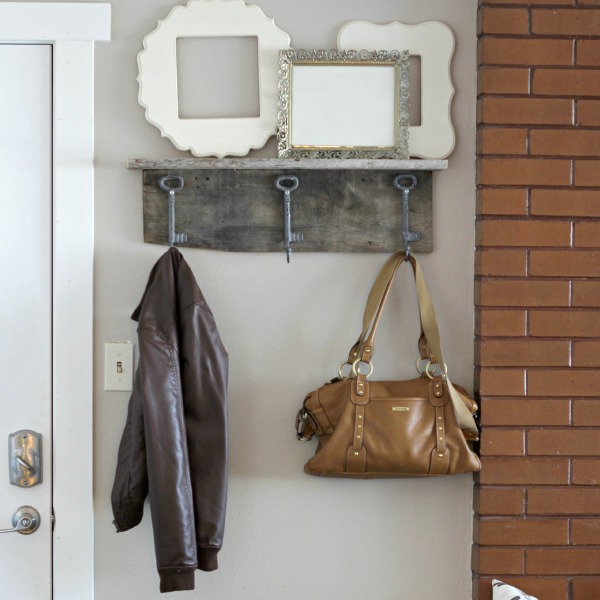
537	498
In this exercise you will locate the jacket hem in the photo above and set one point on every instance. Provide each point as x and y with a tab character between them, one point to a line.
176	579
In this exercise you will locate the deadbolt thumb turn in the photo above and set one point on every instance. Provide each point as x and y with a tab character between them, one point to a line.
26	520
25	458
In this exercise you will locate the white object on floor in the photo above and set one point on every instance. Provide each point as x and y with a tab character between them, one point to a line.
503	591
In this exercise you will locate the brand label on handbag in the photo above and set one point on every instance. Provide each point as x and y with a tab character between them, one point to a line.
400	408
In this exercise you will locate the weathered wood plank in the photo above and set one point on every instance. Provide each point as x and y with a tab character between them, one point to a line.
337	211
315	164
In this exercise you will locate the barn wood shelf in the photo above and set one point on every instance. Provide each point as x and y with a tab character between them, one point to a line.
346	205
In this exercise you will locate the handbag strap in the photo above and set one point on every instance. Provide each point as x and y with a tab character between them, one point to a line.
379	291
429	326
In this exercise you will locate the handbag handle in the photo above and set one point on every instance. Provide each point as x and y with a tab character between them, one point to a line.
379	291
429	326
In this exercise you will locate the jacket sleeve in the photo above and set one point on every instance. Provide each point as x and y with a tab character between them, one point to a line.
130	486
204	369
170	488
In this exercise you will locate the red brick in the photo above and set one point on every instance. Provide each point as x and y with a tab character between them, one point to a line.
587	172
563	561
524	293
525	412
526	111
568	203
524	471
570	263
526	233
588	113
586	354
565	22
563	501
563	382
566	82
586	589
585	532
504	20
586	413
588	53
499	561
498	140
525	171
497	80
532	2
564	142
586	294
501	262
527	352
525	52
494	201
586	472
572	323
522	532
502	442
587	234
499	501
527	2
501	323
502	382
563	442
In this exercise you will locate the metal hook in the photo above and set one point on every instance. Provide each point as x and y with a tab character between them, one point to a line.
405	182
164	183
287	184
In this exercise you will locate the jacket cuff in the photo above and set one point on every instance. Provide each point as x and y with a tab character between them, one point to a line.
176	579
207	559
127	514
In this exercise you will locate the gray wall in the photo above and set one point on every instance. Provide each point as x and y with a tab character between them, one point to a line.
287	328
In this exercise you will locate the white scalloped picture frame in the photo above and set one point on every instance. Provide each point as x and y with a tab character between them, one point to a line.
157	78
434	42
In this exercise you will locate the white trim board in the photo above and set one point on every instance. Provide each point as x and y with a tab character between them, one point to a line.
71	28
54	21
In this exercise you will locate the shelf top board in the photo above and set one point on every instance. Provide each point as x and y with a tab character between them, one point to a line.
288	163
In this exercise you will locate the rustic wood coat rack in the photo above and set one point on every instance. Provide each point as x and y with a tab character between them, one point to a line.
269	205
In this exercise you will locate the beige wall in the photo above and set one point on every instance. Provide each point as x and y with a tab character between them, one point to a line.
287	328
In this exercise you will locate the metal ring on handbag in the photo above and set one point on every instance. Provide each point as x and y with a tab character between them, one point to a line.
420	371
431	372
342	376
356	368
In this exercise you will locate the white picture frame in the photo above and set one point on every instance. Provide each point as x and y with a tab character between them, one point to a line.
434	42
157	78
343	104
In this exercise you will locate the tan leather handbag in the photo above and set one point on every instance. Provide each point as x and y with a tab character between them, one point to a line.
414	428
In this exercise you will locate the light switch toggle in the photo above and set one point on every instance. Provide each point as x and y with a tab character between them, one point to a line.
118	370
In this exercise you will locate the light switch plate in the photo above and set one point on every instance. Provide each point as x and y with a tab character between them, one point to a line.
118	366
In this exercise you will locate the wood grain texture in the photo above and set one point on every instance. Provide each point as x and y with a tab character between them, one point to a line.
241	210
315	164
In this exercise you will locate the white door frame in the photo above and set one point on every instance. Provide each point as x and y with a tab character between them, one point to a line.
71	28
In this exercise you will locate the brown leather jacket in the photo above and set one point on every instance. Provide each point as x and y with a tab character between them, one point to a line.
174	446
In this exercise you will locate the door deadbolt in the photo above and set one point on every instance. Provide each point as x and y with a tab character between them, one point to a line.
25	458
26	520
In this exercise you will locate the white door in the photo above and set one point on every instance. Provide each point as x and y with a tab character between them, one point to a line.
26	307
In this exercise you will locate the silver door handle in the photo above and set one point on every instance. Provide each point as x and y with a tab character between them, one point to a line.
26	520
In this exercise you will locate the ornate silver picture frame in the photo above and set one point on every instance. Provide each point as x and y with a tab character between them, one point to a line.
342	104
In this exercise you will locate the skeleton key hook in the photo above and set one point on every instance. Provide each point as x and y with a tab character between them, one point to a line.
172	184
287	184
406	182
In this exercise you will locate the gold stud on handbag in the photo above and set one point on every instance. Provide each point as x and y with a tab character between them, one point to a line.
413	428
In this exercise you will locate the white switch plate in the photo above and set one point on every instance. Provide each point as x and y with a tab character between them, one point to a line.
118	366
